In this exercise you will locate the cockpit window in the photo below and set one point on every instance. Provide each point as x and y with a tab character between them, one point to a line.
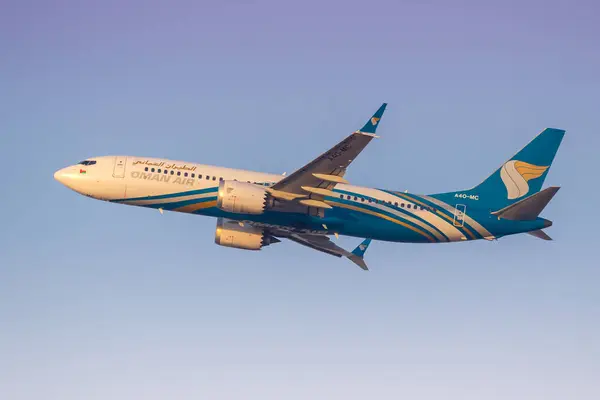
87	162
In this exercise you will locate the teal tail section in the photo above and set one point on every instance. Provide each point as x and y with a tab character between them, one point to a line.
519	177
371	125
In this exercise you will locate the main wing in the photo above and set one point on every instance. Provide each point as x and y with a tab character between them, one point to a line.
311	183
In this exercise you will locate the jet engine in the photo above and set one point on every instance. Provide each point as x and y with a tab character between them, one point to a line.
231	233
241	197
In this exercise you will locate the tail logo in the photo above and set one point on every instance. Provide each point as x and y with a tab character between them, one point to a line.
375	120
515	175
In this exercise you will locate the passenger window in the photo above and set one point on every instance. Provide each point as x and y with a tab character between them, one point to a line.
370	201
193	175
178	173
159	170
355	198
221	179
214	178
146	169
341	196
172	172
362	199
396	204
207	177
185	174
402	205
408	206
166	172
152	170
199	176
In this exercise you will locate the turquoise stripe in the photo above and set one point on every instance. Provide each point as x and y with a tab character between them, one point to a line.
447	213
170	195
384	212
403	212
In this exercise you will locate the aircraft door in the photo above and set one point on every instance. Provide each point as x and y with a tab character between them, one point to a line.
119	169
459	214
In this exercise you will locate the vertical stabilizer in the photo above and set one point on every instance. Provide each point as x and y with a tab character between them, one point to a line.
520	176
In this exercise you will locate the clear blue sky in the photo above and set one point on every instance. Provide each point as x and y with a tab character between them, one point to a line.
102	301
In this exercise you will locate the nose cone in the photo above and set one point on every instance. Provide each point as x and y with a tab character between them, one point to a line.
61	175
68	177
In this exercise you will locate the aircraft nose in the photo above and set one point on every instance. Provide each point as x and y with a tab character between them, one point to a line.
60	175
67	177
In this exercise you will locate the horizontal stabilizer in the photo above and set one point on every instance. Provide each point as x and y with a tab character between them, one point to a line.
540	234
529	208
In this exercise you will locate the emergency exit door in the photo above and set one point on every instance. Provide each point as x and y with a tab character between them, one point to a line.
119	170
459	214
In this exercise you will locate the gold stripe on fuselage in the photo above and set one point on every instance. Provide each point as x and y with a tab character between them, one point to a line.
451	220
190	208
376	214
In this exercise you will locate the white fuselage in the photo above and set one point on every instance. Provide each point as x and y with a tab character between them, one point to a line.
153	182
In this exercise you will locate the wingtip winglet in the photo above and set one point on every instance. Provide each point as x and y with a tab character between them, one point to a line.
373	122
358	253
360	250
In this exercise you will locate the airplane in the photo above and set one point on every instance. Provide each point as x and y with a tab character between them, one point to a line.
255	209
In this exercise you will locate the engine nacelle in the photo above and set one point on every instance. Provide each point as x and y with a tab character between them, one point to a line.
230	233
241	197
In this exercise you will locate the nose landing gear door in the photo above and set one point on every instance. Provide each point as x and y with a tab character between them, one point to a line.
119	169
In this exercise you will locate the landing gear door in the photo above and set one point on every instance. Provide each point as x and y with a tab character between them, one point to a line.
119	169
459	214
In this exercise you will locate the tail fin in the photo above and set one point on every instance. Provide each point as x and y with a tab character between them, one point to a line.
522	175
